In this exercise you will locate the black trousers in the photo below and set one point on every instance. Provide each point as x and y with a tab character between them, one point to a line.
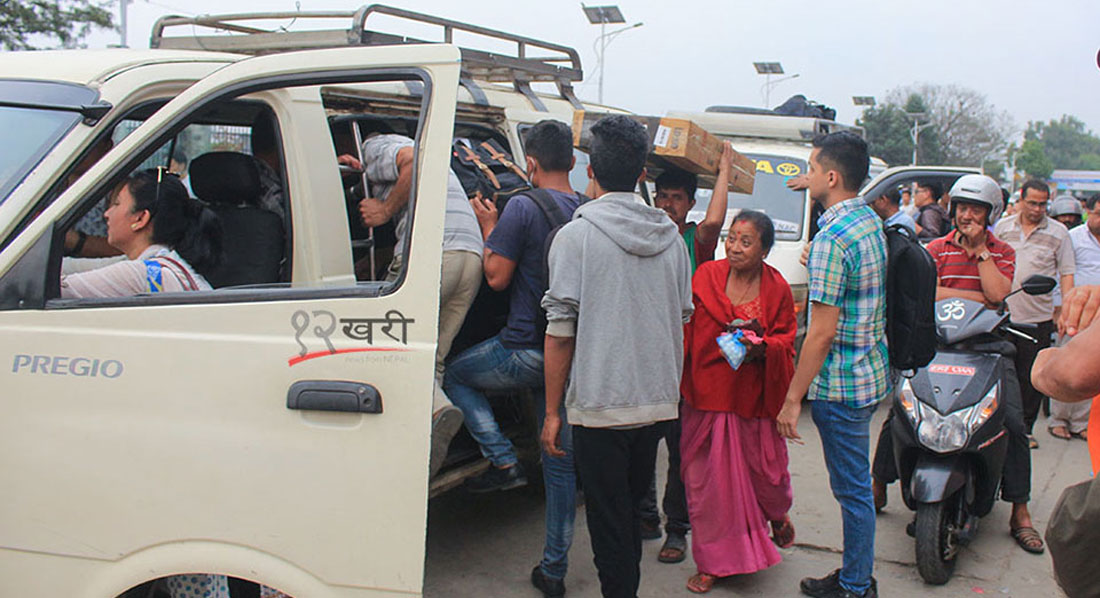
675	501
1026	351
1016	476
616	468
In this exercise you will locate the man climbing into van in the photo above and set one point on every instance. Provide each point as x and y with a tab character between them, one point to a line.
513	360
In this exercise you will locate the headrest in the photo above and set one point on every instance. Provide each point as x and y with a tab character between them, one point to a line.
226	178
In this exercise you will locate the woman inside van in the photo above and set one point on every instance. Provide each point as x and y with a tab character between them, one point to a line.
167	238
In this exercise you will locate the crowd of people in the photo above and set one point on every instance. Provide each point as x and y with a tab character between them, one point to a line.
628	332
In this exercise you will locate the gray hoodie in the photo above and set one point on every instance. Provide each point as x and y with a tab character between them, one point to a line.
620	282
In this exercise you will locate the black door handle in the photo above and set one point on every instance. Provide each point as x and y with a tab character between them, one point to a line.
334	395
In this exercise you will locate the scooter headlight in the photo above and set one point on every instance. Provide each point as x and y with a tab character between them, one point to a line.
943	433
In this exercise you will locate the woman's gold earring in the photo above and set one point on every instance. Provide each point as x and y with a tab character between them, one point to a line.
133	226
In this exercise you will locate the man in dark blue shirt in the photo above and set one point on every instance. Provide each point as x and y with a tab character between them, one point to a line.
513	360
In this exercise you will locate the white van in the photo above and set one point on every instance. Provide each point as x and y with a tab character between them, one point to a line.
780	146
275	431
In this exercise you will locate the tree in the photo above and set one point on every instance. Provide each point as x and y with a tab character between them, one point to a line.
889	135
1066	143
969	128
24	22
1033	160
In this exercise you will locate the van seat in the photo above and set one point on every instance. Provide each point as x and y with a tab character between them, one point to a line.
254	239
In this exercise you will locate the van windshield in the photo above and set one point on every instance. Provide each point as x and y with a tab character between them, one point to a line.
46	111
770	195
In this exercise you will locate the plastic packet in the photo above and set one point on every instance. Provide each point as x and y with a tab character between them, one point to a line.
732	348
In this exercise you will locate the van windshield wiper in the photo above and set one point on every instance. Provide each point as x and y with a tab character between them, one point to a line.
91	112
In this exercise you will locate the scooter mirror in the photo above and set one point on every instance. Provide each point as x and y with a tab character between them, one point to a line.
1037	284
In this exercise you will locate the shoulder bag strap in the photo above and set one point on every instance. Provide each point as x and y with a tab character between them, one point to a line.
181	268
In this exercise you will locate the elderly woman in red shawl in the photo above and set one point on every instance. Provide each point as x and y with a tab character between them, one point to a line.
734	463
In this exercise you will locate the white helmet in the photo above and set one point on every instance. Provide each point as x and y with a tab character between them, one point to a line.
979	189
1065	204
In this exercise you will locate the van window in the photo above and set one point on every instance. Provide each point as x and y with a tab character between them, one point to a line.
770	195
30	133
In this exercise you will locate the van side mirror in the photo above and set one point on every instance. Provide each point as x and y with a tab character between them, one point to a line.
1037	284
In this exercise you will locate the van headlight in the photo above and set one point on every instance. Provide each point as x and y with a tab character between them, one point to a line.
947	433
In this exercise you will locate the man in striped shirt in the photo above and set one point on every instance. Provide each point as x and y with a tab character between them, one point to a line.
973	264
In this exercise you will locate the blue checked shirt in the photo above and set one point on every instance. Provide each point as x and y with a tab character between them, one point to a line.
848	270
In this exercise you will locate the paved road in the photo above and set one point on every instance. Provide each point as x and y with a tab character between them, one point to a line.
485	546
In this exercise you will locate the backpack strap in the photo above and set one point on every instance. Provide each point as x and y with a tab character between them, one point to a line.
503	158
484	168
550	208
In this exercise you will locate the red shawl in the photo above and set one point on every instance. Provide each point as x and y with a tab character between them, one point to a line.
709	383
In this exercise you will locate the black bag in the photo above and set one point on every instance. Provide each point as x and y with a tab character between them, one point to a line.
910	300
557	219
489	170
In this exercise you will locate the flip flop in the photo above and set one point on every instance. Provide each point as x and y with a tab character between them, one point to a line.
673	550
701	583
1027	537
1083	435
783	532
1061	432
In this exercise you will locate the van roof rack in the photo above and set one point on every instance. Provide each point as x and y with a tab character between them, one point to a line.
560	65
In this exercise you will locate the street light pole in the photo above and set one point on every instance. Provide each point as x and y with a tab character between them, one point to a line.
914	133
602	16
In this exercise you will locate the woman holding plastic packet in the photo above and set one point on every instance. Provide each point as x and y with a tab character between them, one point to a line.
734	461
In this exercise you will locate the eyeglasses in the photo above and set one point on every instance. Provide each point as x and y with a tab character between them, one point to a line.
161	172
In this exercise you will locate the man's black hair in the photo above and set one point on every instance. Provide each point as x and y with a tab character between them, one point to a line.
1035	184
550	143
180	158
846	153
893	196
1091	202
677	178
618	152
935	188
1004	199
763	224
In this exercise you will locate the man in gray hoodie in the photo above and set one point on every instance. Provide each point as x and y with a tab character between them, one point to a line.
619	295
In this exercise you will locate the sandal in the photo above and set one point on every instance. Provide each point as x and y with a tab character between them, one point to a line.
1083	435
783	532
674	549
1060	432
1028	539
701	583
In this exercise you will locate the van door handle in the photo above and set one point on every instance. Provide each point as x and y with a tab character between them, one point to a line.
334	395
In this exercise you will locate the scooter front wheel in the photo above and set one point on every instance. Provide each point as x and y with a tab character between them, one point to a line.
937	534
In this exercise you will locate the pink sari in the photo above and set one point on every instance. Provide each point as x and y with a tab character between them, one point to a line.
735	475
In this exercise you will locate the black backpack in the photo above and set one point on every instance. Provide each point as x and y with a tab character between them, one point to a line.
489	170
910	300
557	219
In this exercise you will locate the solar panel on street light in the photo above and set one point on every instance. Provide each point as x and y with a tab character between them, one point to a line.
863	100
598	15
768	68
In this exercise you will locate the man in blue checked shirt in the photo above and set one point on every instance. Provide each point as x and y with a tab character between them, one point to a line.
843	365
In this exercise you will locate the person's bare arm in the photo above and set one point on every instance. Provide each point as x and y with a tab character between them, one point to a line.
1066	285
558	361
498	269
1069	373
995	285
376	212
710	228
93	246
819	340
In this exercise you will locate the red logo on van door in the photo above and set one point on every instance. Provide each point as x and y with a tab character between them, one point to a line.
954	370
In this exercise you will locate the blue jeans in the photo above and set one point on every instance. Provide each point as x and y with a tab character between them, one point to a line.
845	439
492	366
559	476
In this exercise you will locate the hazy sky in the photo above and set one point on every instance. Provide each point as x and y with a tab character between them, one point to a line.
1036	60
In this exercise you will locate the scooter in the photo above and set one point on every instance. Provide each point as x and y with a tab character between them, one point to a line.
948	427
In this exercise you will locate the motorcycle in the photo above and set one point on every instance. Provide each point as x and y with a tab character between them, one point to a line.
948	427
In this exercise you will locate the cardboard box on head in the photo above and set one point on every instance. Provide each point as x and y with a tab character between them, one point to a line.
679	143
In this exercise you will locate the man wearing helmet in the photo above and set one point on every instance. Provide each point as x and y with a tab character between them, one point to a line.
971	263
1067	210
